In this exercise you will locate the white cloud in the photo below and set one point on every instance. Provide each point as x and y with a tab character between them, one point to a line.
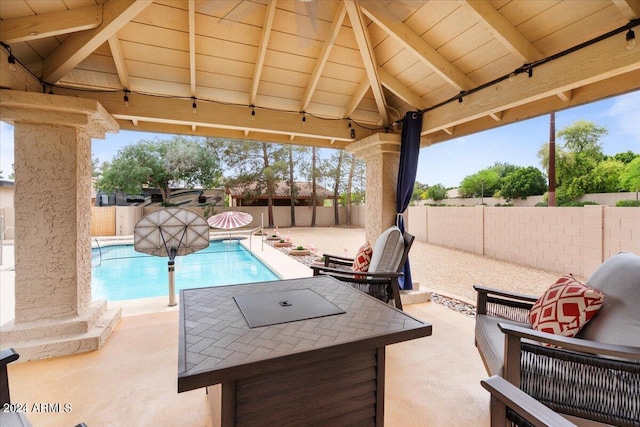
625	113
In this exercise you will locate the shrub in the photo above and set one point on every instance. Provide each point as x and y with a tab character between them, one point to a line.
627	203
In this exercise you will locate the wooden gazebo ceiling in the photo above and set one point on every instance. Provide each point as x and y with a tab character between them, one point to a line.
369	61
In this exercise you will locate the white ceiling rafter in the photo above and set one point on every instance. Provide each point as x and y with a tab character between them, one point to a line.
36	27
118	60
357	97
401	91
503	30
332	34
76	47
368	58
262	50
192	48
411	41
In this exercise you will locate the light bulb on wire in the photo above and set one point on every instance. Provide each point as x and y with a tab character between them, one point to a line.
126	98
12	63
631	39
194	106
253	113
304	118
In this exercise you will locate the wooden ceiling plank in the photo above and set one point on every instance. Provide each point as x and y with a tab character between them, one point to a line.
323	56
630	8
400	90
118	60
51	24
589	65
416	44
192	47
503	30
76	47
366	51
262	50
496	115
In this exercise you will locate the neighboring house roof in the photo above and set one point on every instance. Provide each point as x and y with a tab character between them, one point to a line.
282	191
453	194
7	183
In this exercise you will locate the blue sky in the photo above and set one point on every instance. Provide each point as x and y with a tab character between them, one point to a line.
449	162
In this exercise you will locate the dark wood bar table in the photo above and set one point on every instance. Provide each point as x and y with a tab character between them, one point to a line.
322	370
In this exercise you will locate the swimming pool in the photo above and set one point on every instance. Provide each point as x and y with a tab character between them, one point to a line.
120	273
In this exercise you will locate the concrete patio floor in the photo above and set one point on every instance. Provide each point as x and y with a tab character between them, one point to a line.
132	380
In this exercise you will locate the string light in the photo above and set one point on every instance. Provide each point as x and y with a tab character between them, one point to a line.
353	133
126	98
631	39
12	62
512	76
304	118
194	107
349	122
253	112
460	100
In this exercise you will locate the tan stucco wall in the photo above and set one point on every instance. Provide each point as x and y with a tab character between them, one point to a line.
52	169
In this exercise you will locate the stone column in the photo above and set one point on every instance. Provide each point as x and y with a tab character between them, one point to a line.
381	152
54	311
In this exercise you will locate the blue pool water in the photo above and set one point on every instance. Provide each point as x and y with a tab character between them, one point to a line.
121	273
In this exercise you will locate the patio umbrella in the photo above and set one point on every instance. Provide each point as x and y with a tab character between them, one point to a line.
229	220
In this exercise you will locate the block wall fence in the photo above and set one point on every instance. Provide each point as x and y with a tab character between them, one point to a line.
567	240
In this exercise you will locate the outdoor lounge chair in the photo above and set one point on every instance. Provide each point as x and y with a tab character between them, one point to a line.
390	253
592	377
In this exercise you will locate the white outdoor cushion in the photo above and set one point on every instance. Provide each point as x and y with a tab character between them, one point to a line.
387	252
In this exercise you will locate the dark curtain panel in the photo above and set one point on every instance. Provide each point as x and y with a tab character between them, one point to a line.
409	151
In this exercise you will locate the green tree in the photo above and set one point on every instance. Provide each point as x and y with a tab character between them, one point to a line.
481	184
605	177
523	182
437	192
576	159
419	192
625	157
630	177
161	164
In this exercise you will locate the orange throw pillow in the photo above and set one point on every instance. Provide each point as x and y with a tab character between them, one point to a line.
363	258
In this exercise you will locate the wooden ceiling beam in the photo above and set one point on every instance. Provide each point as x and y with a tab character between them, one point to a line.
357	97
332	34
368	58
205	131
262	50
146	108
411	41
612	86
118	60
503	30
14	30
605	59
401	91
630	8
116	14
192	48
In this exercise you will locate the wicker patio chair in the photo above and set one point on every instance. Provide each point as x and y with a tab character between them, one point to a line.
510	404
390	253
594	376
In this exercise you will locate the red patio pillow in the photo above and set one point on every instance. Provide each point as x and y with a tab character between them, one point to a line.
565	307
363	258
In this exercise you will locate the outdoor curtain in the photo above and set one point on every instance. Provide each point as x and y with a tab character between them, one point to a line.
409	151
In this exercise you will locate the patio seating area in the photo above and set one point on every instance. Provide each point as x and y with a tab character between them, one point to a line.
134	375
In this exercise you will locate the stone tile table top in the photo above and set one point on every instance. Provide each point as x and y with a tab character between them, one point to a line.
217	345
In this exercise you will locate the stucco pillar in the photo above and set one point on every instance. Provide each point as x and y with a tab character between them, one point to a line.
381	152
54	311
